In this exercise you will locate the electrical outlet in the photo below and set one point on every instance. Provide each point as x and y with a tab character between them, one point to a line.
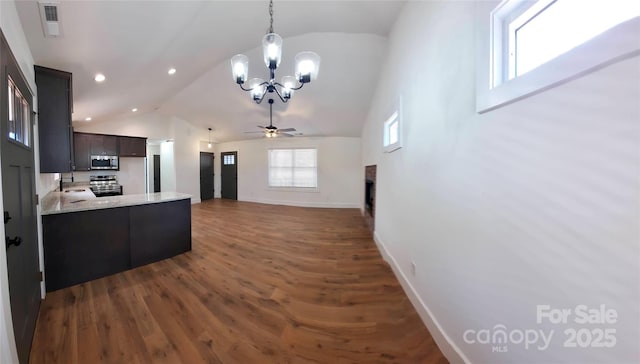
413	268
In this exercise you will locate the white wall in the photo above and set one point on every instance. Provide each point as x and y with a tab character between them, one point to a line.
12	30
530	204
187	158
150	125
340	181
167	168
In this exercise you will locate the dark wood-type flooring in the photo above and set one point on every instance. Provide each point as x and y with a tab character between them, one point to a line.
263	284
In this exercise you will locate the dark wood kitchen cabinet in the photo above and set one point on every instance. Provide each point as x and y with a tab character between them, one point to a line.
80	246
132	146
104	144
55	99
83	246
81	152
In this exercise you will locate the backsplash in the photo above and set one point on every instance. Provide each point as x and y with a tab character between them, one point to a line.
131	175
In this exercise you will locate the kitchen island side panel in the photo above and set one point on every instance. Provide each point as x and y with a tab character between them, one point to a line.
159	231
82	246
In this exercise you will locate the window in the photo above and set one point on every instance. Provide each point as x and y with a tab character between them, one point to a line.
19	116
293	168
550	28
392	130
534	45
228	159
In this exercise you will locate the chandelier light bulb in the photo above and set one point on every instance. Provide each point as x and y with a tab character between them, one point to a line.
272	50
307	66
288	85
257	88
240	68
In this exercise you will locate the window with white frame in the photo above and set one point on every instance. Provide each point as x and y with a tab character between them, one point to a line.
534	33
550	41
293	168
392	135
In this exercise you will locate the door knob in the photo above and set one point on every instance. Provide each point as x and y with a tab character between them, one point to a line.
15	241
7	217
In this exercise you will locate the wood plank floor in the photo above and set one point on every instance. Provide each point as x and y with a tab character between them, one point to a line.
263	284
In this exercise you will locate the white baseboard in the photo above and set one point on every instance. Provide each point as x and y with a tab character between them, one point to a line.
339	205
450	350
195	200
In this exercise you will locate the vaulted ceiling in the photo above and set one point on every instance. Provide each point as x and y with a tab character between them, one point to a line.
134	43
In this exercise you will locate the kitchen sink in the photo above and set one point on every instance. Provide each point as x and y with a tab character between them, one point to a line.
76	190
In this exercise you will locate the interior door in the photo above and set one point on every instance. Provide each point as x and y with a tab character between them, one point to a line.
229	175
19	194
156	173
206	176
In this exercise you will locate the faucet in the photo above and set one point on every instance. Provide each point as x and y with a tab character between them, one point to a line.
62	180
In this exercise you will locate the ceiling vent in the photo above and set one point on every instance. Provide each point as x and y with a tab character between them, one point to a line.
50	19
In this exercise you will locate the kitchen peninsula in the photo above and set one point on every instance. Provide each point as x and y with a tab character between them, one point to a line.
87	238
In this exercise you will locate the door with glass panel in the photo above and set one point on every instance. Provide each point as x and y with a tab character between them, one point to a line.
19	200
229	175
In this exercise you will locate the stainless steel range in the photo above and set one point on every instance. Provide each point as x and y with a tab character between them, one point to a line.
105	185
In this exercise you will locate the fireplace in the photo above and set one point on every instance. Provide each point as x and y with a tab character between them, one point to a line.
370	195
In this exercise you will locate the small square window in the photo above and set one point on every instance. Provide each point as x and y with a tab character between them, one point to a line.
393	130
229	159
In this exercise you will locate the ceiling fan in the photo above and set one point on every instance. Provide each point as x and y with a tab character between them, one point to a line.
272	131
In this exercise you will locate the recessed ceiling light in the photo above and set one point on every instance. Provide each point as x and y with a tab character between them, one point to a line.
88	118
171	71
99	77
134	109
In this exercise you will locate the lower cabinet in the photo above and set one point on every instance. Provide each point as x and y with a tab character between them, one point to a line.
85	245
159	231
82	246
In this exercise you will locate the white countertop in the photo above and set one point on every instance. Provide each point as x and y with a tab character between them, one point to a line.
82	199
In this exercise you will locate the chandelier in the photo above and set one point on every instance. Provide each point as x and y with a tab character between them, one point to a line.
307	66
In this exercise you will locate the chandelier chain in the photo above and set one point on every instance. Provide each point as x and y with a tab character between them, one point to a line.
271	16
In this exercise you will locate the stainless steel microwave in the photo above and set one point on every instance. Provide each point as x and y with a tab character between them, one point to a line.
102	162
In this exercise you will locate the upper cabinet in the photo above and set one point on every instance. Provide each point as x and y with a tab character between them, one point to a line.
55	101
104	144
86	144
132	146
82	151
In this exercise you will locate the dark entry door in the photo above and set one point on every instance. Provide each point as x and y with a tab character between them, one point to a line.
206	176
156	173
229	175
19	195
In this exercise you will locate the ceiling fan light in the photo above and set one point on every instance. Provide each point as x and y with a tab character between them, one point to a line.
272	50
307	66
257	89
240	68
